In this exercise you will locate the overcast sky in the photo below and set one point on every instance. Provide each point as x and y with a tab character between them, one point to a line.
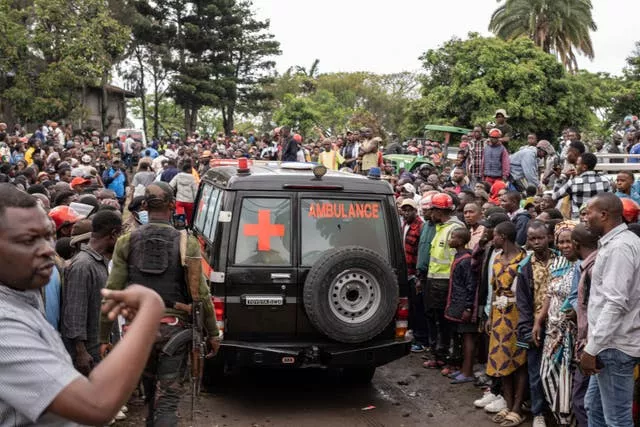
357	35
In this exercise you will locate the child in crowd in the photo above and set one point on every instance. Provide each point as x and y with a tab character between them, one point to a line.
461	308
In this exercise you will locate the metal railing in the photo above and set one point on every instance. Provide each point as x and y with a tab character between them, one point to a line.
617	167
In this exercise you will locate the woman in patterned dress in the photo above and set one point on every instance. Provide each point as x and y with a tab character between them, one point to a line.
557	354
506	359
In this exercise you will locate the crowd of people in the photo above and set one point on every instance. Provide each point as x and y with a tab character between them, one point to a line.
527	262
522	260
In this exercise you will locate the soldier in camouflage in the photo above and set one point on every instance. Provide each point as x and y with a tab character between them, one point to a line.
151	256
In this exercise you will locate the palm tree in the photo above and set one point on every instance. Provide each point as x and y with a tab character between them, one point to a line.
307	77
313	70
557	26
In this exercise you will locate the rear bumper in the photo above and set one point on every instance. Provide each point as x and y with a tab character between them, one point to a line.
306	355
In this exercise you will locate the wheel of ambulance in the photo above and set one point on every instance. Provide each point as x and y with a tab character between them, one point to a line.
351	294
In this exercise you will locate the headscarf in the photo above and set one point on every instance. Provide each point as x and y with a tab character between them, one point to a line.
563	226
495	189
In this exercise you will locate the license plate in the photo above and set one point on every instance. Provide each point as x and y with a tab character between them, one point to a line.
260	300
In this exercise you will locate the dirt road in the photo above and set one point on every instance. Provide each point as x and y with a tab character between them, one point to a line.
402	394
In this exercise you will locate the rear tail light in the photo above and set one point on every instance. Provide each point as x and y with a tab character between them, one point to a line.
218	307
402	317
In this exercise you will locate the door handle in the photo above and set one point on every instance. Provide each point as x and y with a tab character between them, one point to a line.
280	276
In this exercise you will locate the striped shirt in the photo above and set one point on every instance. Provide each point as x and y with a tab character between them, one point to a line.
476	158
34	364
613	313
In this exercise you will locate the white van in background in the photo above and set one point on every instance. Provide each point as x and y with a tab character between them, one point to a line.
136	134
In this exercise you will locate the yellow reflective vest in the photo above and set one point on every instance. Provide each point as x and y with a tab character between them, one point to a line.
441	256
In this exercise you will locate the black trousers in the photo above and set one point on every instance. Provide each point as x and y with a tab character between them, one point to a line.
435	299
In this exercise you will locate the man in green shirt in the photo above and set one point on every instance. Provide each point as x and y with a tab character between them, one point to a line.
505	128
151	256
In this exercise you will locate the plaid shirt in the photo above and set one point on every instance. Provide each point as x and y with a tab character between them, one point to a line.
84	278
476	156
581	189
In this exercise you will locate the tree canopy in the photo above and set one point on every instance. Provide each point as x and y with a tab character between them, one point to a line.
336	102
465	82
54	49
628	98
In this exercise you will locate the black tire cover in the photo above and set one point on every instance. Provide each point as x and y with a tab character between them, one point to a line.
320	280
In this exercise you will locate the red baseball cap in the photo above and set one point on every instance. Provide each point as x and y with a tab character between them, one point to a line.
79	181
495	133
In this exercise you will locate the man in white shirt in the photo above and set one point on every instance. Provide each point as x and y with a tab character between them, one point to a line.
46	129
613	340
128	145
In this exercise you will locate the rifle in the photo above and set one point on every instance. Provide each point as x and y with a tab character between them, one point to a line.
193	274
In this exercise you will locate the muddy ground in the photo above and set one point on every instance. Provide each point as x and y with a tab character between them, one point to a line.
401	394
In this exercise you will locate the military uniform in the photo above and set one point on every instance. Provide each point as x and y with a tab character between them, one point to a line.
150	256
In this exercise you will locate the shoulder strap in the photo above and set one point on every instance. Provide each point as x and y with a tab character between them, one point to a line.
183	247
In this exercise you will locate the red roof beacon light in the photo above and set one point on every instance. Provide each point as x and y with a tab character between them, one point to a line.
243	166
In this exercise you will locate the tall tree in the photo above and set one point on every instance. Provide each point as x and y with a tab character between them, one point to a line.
144	70
205	33
556	26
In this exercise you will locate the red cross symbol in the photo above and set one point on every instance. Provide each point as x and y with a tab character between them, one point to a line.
264	230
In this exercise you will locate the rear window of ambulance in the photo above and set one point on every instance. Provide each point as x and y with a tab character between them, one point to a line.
331	223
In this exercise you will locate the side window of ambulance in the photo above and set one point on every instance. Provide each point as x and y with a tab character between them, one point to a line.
207	212
264	232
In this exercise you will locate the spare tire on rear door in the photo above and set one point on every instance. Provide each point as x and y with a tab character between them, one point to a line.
351	294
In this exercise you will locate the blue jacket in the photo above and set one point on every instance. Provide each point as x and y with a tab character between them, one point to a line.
634	150
462	288
168	175
117	184
634	195
524	164
152	152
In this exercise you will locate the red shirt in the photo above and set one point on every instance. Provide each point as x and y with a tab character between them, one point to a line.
411	242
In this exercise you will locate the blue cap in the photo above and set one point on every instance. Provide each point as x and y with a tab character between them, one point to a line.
374	173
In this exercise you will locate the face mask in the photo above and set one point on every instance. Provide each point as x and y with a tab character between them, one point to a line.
143	217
